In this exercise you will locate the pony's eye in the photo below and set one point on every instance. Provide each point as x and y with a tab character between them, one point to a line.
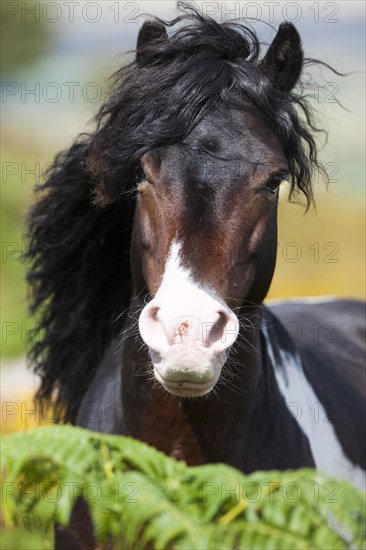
274	182
139	173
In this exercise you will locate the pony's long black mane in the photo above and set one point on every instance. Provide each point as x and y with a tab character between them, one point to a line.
80	228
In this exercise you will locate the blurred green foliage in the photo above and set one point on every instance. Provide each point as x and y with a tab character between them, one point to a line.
24	34
142	498
22	539
15	198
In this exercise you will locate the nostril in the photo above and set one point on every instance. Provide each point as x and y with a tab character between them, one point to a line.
214	329
224	331
153	313
151	328
223	317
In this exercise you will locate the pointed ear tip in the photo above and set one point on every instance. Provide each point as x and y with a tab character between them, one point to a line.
289	27
153	22
154	26
151	30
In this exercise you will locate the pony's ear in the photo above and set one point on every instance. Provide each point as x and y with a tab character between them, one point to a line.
151	31
283	61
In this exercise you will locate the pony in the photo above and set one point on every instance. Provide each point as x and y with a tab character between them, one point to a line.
152	247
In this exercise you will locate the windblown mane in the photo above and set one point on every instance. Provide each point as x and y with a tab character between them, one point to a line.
80	228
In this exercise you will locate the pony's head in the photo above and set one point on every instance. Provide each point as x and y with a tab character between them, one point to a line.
218	133
184	170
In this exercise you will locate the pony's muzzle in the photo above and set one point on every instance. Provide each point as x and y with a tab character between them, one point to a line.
188	349
161	328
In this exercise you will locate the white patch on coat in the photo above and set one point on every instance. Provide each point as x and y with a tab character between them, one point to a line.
311	416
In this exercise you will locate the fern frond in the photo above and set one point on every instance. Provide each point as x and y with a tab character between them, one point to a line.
140	498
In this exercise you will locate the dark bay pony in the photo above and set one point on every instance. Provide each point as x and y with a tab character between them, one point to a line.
153	246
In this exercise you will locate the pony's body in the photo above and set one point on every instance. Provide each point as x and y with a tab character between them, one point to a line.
153	249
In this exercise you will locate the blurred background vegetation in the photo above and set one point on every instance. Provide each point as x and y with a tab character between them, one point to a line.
55	61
